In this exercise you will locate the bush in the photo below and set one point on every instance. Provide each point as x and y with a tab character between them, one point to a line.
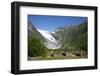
36	47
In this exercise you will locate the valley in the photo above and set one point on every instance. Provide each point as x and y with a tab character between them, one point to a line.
68	42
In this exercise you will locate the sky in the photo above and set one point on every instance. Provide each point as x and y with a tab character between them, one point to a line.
51	23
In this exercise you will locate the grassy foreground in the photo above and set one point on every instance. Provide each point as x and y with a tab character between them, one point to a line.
55	58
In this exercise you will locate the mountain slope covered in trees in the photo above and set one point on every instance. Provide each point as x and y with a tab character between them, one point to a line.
35	42
73	36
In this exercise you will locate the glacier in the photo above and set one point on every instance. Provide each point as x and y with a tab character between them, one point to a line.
50	41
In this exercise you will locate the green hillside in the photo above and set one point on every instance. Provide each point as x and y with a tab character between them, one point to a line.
35	42
73	37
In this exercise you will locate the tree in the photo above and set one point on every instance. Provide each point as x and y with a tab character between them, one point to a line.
36	47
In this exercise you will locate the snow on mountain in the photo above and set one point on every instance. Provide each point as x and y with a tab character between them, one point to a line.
47	35
51	42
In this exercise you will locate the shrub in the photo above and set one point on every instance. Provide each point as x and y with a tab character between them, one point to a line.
36	47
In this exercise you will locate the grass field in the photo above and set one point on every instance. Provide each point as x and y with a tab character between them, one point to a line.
56	58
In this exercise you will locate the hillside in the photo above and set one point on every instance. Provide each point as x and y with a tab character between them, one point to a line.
32	32
72	36
36	41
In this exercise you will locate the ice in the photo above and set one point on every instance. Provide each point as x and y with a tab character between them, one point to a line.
51	42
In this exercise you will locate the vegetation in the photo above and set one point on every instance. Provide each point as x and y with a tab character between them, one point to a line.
35	42
73	38
36	48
